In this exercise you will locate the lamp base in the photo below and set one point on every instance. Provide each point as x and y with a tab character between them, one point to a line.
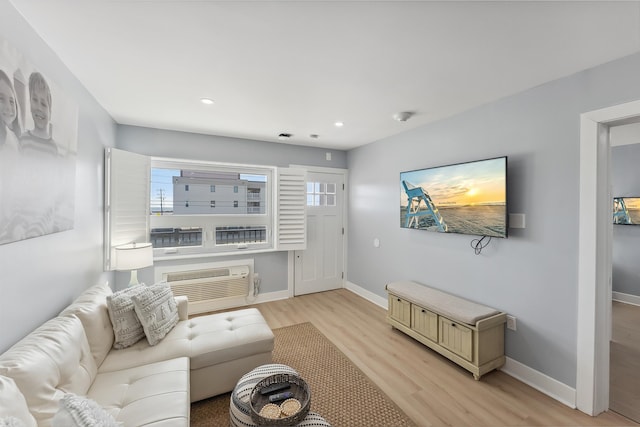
133	281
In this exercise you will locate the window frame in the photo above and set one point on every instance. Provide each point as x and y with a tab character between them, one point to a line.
127	203
209	222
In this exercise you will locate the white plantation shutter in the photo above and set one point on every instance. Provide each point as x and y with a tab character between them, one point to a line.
127	180
291	221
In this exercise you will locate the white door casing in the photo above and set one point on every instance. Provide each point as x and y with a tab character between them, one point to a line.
320	267
594	255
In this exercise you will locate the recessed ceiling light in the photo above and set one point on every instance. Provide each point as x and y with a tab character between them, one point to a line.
206	101
403	116
339	124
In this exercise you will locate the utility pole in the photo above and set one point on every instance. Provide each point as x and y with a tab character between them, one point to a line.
161	196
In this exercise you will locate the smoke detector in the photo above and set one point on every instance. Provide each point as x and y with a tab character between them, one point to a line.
402	116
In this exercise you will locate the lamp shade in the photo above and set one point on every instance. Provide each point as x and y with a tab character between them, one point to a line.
133	256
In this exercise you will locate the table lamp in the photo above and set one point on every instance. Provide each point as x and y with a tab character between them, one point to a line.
132	257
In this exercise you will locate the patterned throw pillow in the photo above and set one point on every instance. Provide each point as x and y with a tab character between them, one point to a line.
157	310
126	325
11	422
78	411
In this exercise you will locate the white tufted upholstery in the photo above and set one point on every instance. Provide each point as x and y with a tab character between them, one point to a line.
222	347
13	404
50	361
91	309
139	385
150	395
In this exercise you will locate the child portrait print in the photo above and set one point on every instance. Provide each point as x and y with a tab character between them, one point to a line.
38	148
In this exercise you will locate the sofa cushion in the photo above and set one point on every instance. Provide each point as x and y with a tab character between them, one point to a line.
126	325
227	336
78	411
50	361
157	310
207	340
151	395
13	404
91	309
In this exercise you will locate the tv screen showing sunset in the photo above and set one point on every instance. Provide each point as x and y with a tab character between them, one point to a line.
467	198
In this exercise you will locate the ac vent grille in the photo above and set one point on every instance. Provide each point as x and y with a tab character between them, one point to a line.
210	285
197	274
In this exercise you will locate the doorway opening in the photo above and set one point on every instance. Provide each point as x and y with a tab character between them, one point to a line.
594	258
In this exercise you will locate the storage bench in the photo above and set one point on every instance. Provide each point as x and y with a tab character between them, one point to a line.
469	334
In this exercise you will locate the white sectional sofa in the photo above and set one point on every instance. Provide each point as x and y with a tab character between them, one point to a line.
141	385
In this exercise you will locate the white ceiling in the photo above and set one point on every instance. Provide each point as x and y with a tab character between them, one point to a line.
299	66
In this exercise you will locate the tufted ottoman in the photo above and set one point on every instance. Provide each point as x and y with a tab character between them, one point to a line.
221	348
239	409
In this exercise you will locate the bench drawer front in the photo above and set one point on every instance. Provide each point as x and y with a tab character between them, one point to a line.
456	337
424	322
400	310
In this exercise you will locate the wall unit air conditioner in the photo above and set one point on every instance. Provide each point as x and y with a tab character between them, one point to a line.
210	289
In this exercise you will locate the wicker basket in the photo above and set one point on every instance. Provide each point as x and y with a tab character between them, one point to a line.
300	391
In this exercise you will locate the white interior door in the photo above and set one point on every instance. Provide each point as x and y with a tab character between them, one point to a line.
320	267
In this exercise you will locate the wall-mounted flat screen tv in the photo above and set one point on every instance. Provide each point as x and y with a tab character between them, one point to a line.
626	210
466	198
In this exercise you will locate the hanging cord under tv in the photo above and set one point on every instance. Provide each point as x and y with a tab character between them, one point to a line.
478	246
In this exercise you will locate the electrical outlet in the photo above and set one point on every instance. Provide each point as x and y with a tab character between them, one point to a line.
511	322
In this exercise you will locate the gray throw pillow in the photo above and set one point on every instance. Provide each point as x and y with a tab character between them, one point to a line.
78	411
126	325
157	310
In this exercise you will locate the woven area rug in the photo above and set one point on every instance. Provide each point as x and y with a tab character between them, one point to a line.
340	392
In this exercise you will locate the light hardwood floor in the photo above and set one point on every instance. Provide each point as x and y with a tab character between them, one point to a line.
429	388
624	384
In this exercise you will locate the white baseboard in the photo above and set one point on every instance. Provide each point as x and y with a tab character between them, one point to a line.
269	296
368	295
541	382
626	298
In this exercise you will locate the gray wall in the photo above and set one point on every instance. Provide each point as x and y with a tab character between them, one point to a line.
42	275
625	176
271	266
182	145
533	274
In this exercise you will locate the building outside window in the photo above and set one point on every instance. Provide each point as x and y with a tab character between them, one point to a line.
240	215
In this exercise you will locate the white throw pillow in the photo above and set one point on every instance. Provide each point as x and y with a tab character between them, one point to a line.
157	310
126	325
77	411
11	422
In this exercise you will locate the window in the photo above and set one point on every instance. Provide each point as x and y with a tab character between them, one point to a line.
240	217
146	200
174	237
241	235
321	193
